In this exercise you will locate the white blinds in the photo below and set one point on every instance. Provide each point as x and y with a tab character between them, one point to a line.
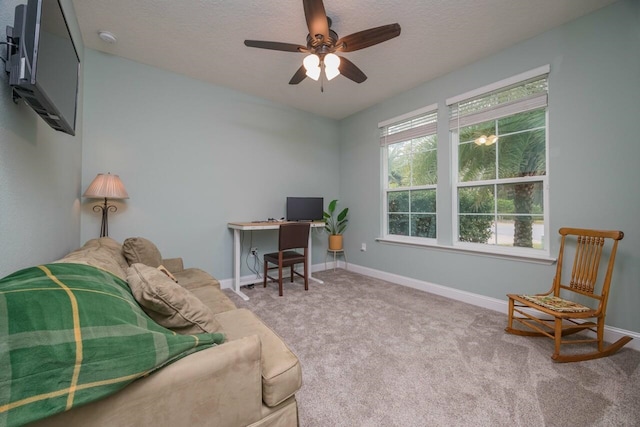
408	128
523	96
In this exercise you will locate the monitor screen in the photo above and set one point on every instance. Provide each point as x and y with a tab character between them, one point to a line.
305	208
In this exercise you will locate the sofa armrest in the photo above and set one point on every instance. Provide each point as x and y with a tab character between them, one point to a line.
174	265
220	386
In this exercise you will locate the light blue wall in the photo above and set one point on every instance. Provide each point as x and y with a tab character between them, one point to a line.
594	109
194	156
40	172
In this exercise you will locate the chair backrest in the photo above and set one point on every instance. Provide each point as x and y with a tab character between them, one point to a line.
293	235
586	262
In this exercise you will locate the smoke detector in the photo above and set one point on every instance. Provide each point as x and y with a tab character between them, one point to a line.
107	37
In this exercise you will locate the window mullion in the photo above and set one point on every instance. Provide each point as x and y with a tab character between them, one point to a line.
500	181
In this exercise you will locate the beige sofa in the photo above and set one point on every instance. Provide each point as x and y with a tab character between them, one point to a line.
249	380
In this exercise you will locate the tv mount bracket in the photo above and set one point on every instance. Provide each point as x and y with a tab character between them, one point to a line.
12	48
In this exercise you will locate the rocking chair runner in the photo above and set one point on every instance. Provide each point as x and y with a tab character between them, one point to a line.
553	316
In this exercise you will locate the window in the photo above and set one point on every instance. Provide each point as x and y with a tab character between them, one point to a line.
493	188
409	152
499	142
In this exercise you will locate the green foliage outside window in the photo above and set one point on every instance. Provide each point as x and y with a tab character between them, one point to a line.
412	164
476	218
412	213
520	152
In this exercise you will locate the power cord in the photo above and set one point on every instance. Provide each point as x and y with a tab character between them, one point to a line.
256	268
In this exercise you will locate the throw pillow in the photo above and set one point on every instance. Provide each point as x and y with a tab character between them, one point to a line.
169	304
141	250
168	273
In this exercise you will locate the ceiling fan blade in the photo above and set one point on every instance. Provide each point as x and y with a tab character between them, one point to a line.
316	18
298	76
286	47
350	71
366	38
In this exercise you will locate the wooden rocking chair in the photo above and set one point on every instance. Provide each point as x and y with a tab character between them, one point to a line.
553	316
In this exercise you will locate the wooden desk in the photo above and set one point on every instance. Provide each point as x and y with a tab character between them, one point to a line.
239	227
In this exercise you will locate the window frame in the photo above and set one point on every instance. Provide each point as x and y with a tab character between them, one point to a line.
446	240
384	184
456	183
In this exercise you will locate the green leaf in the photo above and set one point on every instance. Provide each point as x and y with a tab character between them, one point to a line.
332	206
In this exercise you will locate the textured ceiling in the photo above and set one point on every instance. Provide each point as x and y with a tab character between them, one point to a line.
204	39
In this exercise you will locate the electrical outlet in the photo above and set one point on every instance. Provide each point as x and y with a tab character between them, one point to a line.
363	248
254	251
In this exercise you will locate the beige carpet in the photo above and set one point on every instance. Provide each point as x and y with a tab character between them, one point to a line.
378	354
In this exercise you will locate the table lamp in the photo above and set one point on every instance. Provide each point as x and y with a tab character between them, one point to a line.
110	187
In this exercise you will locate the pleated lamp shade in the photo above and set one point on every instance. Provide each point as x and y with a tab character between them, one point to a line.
106	186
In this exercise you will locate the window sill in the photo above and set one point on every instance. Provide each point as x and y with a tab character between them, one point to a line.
471	249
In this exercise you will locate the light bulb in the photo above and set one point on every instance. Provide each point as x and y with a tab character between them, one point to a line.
331	64
332	60
313	73
312	65
482	140
331	72
311	61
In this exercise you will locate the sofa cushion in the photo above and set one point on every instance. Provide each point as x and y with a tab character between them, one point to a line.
281	371
168	303
141	250
214	298
104	253
206	288
192	278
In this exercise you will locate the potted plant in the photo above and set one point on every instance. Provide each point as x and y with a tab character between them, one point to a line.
335	225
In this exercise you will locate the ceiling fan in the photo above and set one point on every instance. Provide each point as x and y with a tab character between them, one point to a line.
323	43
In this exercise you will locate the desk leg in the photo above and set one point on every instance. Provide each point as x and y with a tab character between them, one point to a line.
236	265
311	261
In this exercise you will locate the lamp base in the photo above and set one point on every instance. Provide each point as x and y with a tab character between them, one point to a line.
105	208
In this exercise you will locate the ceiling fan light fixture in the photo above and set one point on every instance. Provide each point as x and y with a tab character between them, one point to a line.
331	64
313	73
331	73
322	41
311	61
312	65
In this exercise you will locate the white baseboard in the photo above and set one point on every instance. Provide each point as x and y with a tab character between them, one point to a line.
611	333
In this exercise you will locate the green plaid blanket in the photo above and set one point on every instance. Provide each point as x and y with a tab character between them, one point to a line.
71	334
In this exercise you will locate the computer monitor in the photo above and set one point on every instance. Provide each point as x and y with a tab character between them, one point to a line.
305	208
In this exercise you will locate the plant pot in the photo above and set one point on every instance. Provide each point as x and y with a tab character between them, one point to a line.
335	242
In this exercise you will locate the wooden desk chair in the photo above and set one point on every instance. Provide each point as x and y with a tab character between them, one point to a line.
553	316
291	236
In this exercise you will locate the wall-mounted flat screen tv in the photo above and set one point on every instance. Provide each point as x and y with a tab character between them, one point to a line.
43	63
305	208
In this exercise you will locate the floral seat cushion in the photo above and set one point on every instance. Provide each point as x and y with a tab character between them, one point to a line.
556	303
